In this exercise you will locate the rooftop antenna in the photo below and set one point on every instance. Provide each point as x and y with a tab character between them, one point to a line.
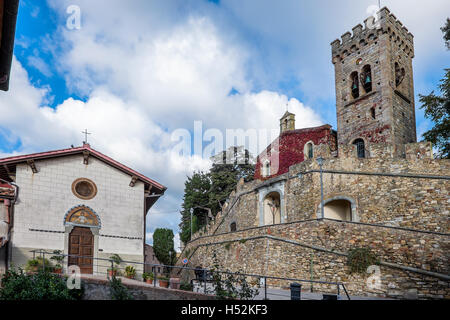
85	135
379	4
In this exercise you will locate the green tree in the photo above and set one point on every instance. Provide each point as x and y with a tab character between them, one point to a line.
437	108
210	190
224	178
446	30
163	246
228	168
196	190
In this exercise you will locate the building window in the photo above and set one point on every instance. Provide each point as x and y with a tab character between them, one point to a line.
309	150
233	226
372	112
354	85
399	74
360	151
84	188
366	78
266	168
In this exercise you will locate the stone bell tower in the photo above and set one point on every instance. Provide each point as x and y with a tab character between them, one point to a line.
374	85
287	122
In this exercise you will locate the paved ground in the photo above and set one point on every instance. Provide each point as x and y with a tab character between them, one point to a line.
285	294
272	293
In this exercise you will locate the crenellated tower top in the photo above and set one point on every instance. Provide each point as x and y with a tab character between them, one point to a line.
385	22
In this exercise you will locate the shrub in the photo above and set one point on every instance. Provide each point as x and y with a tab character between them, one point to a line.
359	259
17	285
186	286
36	264
118	290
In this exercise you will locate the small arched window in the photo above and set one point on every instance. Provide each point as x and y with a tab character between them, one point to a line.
233	227
366	78
354	85
309	150
399	74
266	168
360	149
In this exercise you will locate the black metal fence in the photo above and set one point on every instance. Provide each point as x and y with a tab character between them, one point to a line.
209	281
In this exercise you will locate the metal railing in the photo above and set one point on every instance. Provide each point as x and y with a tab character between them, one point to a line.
200	280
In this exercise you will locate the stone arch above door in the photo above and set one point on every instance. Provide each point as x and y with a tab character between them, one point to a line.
83	216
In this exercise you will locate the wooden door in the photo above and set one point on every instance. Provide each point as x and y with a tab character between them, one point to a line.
81	243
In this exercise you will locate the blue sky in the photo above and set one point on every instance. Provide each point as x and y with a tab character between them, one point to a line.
136	71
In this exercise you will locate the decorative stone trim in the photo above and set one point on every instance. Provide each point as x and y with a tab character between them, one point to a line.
68	217
120	237
42	230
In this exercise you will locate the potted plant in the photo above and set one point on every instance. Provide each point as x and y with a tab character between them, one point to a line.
130	272
32	265
163	281
148	277
117	260
59	258
175	283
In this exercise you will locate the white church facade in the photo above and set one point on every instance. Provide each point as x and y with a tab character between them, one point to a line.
78	201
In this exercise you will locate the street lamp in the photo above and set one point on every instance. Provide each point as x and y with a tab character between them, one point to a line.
192	211
320	162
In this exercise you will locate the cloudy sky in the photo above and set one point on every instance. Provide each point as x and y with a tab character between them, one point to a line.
136	71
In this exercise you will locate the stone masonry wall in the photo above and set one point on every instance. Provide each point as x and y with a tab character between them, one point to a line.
409	202
260	251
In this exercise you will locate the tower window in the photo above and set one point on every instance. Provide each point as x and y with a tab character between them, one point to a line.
372	112
233	227
399	74
366	78
354	85
360	150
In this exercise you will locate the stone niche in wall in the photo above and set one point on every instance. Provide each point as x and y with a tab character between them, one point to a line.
271	204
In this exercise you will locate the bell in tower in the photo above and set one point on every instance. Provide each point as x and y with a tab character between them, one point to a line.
374	84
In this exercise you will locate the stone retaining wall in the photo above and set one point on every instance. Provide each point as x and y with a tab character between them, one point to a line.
323	244
98	289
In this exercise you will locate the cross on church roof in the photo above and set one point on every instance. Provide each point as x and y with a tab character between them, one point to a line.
85	135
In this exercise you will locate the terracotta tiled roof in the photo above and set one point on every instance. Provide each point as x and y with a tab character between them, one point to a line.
6	190
77	150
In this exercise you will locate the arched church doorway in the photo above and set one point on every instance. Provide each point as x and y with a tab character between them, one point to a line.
272	210
81	243
82	226
340	209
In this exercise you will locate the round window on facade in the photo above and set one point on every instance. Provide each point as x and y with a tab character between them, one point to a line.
84	188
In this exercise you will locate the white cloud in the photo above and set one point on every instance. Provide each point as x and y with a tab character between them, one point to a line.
144	74
39	64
